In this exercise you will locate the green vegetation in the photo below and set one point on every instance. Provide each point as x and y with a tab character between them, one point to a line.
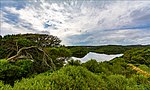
80	51
79	78
10	44
138	56
9	72
25	55
58	55
33	62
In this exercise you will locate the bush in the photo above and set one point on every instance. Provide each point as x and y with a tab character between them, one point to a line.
9	72
145	68
74	62
116	82
4	87
92	65
67	78
79	78
138	82
59	55
138	56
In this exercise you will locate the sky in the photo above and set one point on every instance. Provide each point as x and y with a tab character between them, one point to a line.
79	22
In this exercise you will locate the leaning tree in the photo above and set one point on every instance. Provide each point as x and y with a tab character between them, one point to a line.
29	46
36	54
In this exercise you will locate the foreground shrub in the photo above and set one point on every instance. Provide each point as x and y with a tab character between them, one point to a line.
138	56
9	72
4	87
70	77
116	82
79	78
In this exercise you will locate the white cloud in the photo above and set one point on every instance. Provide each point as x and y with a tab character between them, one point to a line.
12	29
91	18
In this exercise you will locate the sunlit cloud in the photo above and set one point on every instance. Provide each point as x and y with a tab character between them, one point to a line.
80	22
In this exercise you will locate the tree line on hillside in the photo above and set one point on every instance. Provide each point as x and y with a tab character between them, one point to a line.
81	51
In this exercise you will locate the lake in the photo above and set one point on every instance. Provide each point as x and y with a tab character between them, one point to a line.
98	57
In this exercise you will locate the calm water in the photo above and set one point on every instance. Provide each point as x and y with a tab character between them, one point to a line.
97	57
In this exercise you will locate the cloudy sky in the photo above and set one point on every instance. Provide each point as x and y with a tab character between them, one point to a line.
79	22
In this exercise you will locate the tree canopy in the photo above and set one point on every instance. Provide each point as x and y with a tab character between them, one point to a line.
10	44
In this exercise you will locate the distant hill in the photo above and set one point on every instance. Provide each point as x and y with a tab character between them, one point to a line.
81	51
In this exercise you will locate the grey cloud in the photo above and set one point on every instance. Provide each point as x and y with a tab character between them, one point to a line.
126	37
141	15
84	22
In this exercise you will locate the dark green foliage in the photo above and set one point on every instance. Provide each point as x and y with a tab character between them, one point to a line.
144	67
26	66
23	42
12	43
92	65
9	72
67	78
39	64
138	56
42	40
58	55
79	51
74	62
116	66
3	52
111	49
58	52
64	52
116	82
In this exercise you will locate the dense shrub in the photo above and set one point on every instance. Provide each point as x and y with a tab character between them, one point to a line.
59	55
115	66
120	82
67	78
138	56
74	62
92	65
4	87
79	78
116	82
9	72
145	68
